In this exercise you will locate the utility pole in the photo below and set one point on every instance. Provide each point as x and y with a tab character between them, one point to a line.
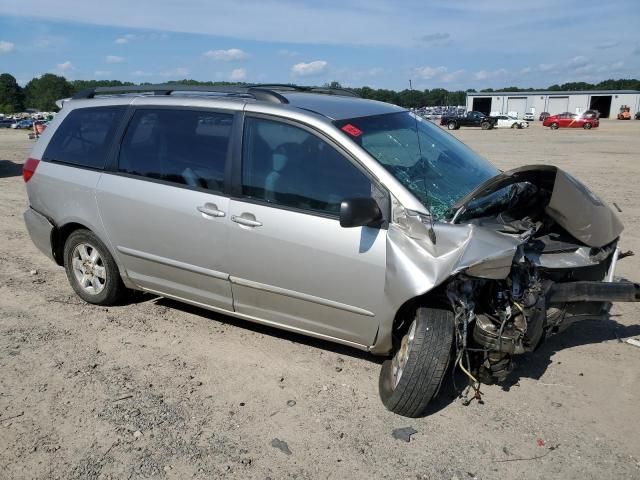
410	87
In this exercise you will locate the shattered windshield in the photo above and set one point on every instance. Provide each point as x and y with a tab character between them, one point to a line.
436	167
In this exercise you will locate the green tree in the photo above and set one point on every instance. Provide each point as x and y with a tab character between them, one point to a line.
11	95
42	93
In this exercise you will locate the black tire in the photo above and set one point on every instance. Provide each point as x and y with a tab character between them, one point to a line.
486	126
426	364
112	288
452	126
587	126
514	125
553	126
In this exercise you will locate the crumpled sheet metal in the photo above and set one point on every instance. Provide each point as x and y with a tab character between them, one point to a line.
415	265
581	212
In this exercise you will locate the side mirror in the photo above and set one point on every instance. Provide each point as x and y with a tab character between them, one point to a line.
359	212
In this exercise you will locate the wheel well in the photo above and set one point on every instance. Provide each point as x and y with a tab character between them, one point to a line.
435	298
59	238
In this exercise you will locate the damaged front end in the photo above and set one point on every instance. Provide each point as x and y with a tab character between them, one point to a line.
521	257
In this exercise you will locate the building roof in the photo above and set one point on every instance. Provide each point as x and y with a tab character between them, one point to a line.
552	92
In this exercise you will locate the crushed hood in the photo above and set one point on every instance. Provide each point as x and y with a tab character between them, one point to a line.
572	205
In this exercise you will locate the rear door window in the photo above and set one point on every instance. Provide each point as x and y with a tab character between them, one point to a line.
187	147
84	137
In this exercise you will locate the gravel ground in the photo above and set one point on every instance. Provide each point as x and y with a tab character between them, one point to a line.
156	389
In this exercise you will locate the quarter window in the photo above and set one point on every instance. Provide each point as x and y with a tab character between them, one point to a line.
187	147
84	137
290	166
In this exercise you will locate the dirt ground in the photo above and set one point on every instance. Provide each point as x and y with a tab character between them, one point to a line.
156	389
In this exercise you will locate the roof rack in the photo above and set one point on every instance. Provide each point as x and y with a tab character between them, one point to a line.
298	88
168	89
266	92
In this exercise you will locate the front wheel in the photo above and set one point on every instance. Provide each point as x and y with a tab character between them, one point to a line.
587	126
451	125
485	126
554	126
413	376
91	270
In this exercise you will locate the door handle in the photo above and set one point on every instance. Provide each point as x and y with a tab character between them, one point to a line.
211	209
246	220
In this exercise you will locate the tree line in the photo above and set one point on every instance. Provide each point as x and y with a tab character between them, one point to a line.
42	92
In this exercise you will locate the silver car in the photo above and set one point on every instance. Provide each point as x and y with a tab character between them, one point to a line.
321	213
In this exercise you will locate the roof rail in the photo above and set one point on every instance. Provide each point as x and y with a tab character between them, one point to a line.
256	92
298	88
262	92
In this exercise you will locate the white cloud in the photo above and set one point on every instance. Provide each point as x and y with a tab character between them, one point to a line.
6	47
441	74
125	39
114	59
526	70
230	55
427	73
141	73
487	74
303	69
65	66
577	62
102	73
452	76
546	67
238	75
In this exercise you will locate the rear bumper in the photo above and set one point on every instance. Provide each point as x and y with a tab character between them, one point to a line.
40	230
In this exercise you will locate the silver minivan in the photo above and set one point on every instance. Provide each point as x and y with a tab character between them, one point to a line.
321	213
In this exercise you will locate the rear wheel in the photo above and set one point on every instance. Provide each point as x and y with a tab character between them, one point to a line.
554	126
587	126
451	125
91	270
413	376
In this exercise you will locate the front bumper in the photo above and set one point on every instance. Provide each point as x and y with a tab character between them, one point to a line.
40	230
622	291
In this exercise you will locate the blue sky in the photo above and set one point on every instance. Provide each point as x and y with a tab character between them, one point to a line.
381	43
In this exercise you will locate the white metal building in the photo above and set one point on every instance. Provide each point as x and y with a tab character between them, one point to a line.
607	102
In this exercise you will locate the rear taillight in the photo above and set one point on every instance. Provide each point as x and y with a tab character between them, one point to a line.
29	168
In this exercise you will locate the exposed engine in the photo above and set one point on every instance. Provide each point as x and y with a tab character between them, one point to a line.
556	277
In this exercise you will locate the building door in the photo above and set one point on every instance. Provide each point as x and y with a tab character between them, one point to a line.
601	103
516	106
558	105
482	104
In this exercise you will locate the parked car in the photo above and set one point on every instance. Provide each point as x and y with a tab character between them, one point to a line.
470	119
571	120
637	115
23	124
505	121
543	116
346	219
6	123
529	117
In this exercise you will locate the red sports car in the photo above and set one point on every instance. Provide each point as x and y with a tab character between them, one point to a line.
571	120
